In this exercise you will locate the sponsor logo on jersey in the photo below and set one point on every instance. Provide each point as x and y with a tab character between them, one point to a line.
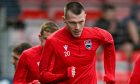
38	63
88	44
66	52
65	47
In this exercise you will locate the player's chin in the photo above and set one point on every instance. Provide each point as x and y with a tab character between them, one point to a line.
76	35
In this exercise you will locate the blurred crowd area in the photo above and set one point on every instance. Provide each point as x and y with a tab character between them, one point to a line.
20	21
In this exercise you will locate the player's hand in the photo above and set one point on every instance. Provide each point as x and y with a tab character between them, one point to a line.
109	83
71	71
35	82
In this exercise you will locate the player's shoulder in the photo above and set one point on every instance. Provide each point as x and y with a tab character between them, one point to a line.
96	33
95	29
101	31
56	35
32	50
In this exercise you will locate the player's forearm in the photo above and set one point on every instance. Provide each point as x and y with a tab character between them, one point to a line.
109	79
34	82
18	82
47	77
110	82
109	62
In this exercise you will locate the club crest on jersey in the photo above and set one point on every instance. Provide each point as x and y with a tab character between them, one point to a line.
88	44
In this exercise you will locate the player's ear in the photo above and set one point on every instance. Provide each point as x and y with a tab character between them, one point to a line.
64	18
39	36
85	15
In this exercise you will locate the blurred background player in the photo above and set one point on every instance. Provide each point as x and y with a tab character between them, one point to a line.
131	28
27	70
109	22
17	51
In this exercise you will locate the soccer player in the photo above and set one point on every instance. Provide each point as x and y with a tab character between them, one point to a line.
69	55
16	52
135	76
27	71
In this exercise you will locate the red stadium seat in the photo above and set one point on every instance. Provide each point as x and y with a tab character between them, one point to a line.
58	15
120	2
92	17
58	18
100	79
33	14
93	14
137	1
122	68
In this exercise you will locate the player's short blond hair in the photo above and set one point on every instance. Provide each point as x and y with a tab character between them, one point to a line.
48	26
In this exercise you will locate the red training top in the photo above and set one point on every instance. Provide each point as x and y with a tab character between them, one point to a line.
27	69
67	51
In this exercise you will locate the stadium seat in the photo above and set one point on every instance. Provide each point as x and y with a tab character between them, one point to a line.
58	18
100	79
120	2
33	14
92	17
58	15
93	14
122	68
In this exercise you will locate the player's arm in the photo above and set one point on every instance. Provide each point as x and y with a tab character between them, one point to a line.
135	76
45	66
21	71
35	82
109	55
